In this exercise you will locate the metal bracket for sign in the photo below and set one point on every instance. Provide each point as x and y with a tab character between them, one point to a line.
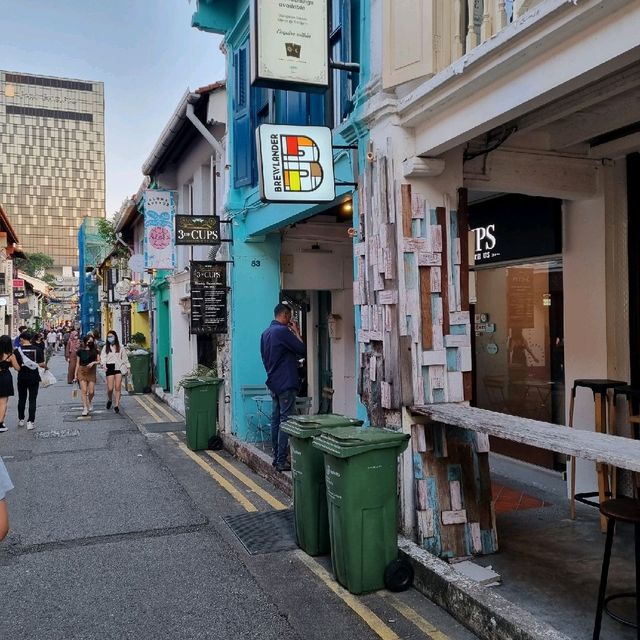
347	184
354	67
354	147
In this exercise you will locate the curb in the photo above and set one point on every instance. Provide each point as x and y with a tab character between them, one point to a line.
484	612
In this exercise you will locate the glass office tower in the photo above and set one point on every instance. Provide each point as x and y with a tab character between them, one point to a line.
51	160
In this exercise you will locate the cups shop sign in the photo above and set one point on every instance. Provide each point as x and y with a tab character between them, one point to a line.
194	230
295	164
515	227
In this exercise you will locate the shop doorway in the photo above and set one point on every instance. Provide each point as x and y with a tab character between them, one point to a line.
518	320
317	279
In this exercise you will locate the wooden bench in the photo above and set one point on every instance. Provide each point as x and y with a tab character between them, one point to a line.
620	452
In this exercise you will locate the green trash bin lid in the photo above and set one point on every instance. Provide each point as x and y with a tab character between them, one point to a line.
345	442
309	426
191	383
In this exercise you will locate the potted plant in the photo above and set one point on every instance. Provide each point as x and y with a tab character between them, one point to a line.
201	407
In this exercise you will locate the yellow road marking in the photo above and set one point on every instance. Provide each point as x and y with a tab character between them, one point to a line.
223	482
149	410
157	405
413	616
370	618
256	488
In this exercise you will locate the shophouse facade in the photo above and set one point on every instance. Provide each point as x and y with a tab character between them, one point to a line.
512	137
301	254
189	160
476	125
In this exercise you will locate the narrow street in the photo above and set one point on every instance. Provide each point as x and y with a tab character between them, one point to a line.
118	531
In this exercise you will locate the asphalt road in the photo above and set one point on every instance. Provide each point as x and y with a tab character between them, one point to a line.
117	532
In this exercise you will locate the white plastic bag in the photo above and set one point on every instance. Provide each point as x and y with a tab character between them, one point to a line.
47	378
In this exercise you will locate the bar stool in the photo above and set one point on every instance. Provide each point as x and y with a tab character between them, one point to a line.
622	510
605	423
632	395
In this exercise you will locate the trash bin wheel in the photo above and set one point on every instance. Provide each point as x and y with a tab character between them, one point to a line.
398	576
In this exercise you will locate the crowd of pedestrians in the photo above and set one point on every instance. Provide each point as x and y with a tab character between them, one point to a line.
29	353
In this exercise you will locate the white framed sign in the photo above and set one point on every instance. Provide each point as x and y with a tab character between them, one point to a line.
290	44
295	163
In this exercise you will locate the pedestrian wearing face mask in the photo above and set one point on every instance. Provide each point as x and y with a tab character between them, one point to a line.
116	363
87	360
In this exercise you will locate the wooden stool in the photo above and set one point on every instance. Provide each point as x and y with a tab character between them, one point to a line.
605	423
633	409
623	510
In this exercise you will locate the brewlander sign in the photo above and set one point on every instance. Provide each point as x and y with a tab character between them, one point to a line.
296	163
291	44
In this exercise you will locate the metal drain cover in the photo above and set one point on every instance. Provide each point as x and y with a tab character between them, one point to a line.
163	427
266	532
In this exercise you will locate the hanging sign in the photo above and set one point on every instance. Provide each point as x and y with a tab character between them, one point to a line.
193	230
208	297
295	164
125	322
291	40
159	210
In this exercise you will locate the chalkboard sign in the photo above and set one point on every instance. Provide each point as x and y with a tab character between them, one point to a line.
208	297
125	321
194	230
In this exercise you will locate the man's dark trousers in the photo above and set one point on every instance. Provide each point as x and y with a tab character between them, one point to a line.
31	387
283	405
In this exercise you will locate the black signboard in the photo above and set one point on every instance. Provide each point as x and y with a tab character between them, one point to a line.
194	230
208	297
19	293
125	321
515	227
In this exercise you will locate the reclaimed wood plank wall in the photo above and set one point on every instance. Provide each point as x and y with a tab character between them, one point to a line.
415	348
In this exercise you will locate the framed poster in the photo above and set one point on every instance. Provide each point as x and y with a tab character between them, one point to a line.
290	44
208	297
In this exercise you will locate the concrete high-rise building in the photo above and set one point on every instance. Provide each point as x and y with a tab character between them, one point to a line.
51	160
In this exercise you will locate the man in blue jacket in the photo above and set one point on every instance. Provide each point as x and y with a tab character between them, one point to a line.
281	348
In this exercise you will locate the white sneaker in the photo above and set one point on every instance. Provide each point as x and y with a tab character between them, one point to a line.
85	412
30	426
21	423
3	428
90	407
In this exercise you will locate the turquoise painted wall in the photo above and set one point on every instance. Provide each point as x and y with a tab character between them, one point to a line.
256	242
162	351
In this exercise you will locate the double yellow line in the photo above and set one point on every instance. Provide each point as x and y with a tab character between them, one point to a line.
150	407
382	630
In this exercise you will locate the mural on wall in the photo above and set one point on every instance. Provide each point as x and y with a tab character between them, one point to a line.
412	290
159	211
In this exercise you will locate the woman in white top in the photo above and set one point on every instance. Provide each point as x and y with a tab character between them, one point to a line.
5	485
116	363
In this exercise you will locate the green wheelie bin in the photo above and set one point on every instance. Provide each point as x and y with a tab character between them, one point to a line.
201	411
307	470
361	478
140	371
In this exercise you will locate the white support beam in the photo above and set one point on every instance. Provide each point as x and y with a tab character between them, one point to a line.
525	72
537	174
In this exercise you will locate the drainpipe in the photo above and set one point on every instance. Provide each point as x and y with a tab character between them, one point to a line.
206	134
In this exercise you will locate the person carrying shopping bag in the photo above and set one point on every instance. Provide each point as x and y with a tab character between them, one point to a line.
29	357
115	360
87	359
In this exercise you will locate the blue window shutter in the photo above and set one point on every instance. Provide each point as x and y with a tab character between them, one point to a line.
242	134
317	109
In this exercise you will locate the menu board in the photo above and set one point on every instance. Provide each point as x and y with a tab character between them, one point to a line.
208	297
125	321
520	298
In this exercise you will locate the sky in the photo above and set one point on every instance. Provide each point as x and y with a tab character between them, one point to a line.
145	51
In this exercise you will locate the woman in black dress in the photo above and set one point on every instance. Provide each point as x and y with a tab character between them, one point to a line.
7	360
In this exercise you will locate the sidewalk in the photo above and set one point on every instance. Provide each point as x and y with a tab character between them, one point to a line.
550	565
118	531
